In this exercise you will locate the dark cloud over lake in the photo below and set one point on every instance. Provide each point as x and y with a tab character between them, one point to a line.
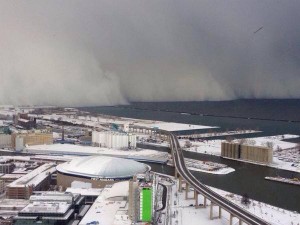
110	52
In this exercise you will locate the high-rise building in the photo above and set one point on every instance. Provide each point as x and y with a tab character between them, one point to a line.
140	201
133	200
146	204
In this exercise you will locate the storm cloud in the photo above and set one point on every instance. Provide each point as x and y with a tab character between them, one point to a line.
79	53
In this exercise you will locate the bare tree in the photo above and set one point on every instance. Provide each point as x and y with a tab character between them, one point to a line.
298	147
245	199
270	144
278	149
242	141
187	144
251	142
229	139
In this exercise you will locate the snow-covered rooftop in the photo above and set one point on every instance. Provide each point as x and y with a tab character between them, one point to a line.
69	149
46	207
105	211
85	191
103	167
23	120
172	126
35	176
52	197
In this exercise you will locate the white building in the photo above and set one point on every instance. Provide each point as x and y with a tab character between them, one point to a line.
116	140
111	207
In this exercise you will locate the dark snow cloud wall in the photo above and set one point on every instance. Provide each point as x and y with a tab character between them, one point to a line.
80	53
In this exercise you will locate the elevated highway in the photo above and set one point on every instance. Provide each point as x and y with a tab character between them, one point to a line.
216	199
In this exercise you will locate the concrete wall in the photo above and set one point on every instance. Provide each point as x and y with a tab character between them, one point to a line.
65	181
33	139
116	140
245	152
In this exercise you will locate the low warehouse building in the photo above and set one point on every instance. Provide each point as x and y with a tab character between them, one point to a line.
19	141
37	180
98	170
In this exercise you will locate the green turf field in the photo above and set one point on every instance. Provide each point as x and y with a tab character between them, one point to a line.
147	205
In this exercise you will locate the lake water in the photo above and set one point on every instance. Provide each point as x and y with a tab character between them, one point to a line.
247	178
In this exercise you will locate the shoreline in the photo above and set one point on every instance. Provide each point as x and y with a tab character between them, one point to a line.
209	115
216	168
239	160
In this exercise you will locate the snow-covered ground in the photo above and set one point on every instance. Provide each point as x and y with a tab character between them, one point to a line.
211	147
277	142
208	167
214	146
220	134
110	207
287	158
171	126
185	214
222	171
101	120
77	150
285	154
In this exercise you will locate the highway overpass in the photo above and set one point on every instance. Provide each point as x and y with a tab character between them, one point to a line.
216	199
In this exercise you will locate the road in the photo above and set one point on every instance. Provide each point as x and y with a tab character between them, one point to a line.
217	199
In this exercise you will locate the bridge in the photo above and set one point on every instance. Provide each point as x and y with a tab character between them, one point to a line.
199	188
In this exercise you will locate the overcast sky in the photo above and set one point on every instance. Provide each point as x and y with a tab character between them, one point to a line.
79	53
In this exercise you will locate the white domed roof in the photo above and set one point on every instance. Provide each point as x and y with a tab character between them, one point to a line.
103	167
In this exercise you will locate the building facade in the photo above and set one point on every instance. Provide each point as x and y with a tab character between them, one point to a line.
50	208
23	120
140	201
37	180
245	152
116	140
6	166
5	141
19	141
2	186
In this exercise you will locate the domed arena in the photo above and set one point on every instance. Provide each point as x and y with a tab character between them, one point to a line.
98	170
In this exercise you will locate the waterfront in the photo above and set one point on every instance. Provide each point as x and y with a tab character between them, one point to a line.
247	178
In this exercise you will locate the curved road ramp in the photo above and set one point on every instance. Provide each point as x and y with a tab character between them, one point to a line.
216	199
